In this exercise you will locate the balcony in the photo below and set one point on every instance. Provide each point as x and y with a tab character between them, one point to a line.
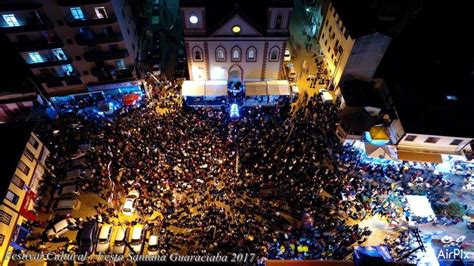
57	77
90	21
41	44
112	71
94	56
98	39
30	26
52	62
67	3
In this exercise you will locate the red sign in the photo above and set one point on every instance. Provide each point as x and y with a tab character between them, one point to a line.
30	197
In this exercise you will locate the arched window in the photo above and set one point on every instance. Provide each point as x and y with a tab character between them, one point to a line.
278	20
251	54
274	54
197	54
220	54
236	54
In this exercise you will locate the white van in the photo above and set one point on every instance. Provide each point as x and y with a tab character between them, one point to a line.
326	96
153	245
66	191
60	228
65	205
103	242
138	235
120	238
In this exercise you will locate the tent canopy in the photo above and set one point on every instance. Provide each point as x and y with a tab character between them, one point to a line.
193	88
382	152
216	88
278	87
256	88
379	133
420	206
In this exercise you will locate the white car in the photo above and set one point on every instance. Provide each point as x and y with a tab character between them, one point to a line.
138	236
153	245
128	207
120	238
287	56
326	96
60	228
103	242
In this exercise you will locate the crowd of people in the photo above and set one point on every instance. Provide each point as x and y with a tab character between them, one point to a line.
274	182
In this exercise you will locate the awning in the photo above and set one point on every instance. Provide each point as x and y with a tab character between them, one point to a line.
419	156
382	152
130	99
278	87
216	88
193	88
379	133
420	206
256	88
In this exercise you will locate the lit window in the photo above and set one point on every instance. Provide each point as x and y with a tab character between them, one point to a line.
67	69
23	168
28	154
236	29
220	54
5	218
59	54
35	57
236	54
17	181
11	20
100	12
76	13
197	54
251	54
193	19
452	97
120	64
12	197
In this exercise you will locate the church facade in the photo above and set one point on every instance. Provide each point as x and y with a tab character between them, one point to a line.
235	41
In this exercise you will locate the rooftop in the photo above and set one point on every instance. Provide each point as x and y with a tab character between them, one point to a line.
13	139
356	16
219	12
431	78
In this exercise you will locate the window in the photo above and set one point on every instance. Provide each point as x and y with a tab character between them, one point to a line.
236	54
278	20
33	142
197	54
274	54
35	57
456	142
17	181
322	37
220	54
330	29
251	54
326	43
120	64
11	20
12	197
59	54
431	140
76	13
410	138
100	12
28	154
5	218
23	168
67	69
2	238
333	35
327	22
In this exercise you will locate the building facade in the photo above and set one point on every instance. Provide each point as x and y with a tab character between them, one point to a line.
22	163
69	45
231	43
351	46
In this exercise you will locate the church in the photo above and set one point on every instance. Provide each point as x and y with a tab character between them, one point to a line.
229	42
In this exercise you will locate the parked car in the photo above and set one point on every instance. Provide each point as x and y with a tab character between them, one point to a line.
326	96
120	238
76	164
67	191
291	74
103	242
76	176
287	56
153	245
128	207
65	205
87	238
138	236
61	228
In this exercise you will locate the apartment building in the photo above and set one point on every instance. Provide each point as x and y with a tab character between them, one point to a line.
72	44
350	41
22	168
